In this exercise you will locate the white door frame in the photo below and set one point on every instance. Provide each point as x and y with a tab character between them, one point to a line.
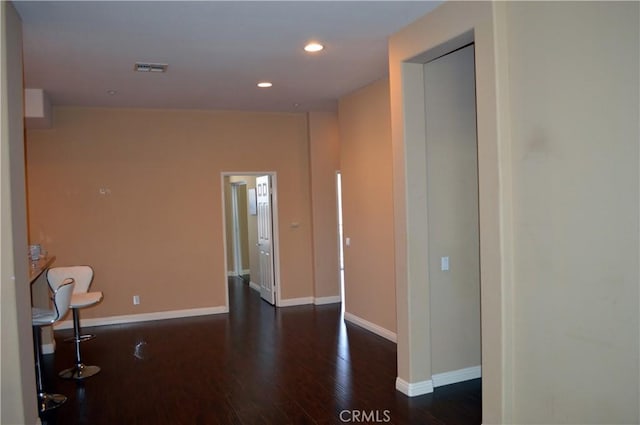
275	247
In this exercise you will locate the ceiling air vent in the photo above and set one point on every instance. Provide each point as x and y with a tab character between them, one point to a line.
150	67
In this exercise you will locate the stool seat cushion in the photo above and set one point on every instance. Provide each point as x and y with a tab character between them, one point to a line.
85	299
43	317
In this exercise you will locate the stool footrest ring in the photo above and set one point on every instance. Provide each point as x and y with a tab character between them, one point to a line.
81	338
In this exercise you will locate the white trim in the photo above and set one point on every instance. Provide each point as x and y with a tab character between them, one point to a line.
455	376
290	302
144	317
371	327
414	389
327	300
254	286
246	271
49	348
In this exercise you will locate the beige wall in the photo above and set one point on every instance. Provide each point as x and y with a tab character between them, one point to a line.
18	396
557	99
368	204
574	84
157	230
324	150
452	211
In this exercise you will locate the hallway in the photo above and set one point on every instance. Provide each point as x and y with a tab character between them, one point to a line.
255	365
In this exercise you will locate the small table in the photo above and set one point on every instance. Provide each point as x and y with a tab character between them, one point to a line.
36	268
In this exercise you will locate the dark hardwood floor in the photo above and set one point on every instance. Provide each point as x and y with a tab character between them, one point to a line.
255	365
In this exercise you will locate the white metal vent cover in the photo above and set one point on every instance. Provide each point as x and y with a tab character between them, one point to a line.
150	67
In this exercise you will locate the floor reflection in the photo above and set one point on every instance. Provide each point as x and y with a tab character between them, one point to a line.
343	381
256	365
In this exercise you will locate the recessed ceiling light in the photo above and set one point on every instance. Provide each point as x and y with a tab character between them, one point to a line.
112	92
313	47
265	84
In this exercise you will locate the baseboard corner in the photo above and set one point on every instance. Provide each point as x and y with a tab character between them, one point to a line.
414	389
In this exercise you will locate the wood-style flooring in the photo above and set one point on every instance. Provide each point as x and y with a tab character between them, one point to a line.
254	365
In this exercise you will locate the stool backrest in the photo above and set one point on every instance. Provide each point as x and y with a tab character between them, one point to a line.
62	297
82	275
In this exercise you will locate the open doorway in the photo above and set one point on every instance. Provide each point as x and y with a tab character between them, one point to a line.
246	220
240	229
453	235
340	238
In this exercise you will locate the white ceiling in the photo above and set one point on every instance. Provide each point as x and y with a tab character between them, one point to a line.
217	51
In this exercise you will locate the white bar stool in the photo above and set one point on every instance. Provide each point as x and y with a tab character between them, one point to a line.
83	276
40	317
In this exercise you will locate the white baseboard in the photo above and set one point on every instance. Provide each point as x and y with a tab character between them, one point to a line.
415	388
327	300
144	317
290	302
437	380
233	274
254	286
371	327
455	376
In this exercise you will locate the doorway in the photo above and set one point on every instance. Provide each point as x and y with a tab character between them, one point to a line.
453	234
240	229
340	238
264	194
244	222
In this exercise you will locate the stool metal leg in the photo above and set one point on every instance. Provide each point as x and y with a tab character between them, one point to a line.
45	401
80	370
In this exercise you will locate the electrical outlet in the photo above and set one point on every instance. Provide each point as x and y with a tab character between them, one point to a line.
136	299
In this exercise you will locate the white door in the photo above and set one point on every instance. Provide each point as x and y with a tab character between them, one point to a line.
265	233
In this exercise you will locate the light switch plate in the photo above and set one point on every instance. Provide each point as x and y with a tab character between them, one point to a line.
444	264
